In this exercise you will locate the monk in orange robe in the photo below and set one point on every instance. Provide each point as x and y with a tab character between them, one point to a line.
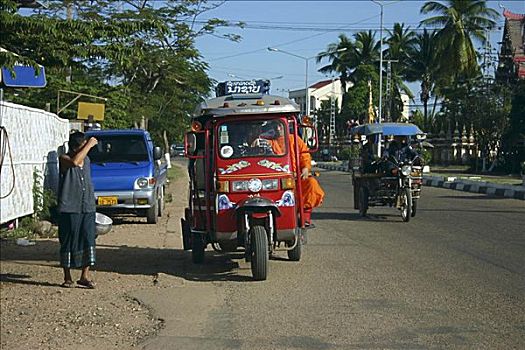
312	193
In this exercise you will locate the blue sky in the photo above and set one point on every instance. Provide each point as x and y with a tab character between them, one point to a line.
249	58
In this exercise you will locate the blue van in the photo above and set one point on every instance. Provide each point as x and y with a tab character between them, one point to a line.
127	174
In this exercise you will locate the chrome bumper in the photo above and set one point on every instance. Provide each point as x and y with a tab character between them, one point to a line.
128	199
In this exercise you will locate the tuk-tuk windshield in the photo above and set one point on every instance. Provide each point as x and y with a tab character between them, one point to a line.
238	139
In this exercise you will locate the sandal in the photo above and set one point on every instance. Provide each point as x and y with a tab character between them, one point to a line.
86	283
67	284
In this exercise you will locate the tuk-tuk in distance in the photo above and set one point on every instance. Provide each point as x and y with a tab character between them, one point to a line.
243	187
395	179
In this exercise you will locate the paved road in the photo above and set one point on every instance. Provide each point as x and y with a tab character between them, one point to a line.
453	277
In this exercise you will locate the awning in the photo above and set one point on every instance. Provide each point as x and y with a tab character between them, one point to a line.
25	76
401	129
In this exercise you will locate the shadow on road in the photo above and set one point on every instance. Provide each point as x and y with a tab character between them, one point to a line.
130	261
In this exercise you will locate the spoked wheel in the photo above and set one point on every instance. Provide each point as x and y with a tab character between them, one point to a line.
406	204
198	246
259	256
363	201
295	253
414	207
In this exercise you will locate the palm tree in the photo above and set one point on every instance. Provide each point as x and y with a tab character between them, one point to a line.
340	62
366	50
423	66
461	21
400	48
400	43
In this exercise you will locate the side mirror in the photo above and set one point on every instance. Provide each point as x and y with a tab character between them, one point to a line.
190	144
309	136
157	153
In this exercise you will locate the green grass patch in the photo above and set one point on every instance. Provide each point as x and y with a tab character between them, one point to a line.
174	172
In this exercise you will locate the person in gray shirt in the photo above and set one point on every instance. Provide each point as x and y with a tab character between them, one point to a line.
76	205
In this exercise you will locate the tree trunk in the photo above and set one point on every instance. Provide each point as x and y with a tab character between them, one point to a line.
166	148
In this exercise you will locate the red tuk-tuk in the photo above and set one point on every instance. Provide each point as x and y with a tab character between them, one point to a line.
243	190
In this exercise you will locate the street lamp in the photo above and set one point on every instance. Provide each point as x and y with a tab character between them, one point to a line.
380	117
306	59
239	77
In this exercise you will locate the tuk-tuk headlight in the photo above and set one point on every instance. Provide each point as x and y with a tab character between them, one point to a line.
239	186
141	182
406	170
255	185
268	185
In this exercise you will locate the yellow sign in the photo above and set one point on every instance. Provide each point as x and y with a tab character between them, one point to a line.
94	111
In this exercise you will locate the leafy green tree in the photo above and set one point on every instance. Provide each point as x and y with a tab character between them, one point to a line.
513	141
358	97
357	65
461	22
141	55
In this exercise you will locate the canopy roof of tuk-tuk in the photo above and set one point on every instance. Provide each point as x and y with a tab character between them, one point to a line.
246	104
401	129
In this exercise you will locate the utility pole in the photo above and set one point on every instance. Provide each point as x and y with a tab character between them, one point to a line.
388	116
332	115
380	116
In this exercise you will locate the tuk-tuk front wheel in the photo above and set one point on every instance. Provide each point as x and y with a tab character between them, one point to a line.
259	250
198	245
406	204
295	253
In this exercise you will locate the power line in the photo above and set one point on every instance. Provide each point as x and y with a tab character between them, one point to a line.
293	41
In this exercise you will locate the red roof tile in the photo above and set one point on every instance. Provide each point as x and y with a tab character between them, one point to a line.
320	84
513	16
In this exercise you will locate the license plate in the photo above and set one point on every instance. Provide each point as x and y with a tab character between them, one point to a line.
107	201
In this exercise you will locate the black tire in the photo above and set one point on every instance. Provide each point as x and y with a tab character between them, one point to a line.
295	253
406	204
363	201
259	261
197	248
152	213
186	234
414	207
160	201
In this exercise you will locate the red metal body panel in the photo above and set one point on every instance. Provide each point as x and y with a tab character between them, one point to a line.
217	169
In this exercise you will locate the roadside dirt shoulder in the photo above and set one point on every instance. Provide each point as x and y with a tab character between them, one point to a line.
36	313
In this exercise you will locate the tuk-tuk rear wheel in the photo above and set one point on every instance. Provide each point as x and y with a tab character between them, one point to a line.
259	258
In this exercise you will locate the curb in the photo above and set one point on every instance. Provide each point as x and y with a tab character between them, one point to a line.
482	187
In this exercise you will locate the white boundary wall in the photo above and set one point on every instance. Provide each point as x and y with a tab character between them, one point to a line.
35	137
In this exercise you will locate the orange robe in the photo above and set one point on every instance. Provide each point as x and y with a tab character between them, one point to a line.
312	192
